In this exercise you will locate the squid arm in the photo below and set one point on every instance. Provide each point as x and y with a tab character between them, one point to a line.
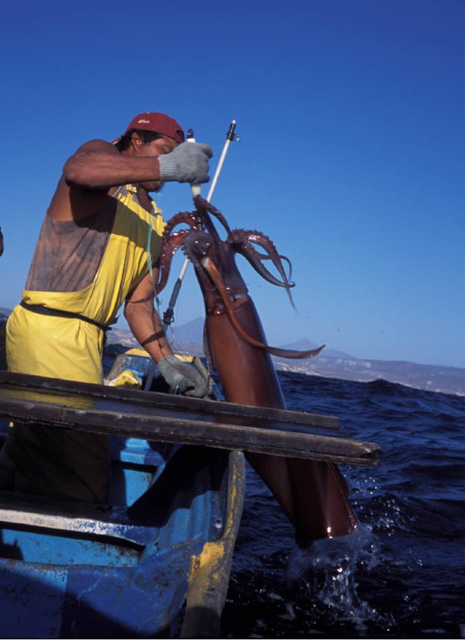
185	217
170	245
243	244
203	205
214	274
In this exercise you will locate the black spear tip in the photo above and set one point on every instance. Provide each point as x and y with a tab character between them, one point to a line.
230	135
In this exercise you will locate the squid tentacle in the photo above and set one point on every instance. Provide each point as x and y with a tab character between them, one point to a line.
267	256
214	274
262	257
169	247
204	205
260	268
241	240
171	242
246	238
190	247
184	217
255	257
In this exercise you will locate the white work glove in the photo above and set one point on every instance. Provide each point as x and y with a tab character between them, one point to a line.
183	377
188	162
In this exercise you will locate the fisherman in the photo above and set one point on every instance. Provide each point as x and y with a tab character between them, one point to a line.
92	257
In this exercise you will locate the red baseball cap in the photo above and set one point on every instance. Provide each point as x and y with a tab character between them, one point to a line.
159	123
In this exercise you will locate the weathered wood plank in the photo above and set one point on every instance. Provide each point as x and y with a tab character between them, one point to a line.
196	423
160	400
40	512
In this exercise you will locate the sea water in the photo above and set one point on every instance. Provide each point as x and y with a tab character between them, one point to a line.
402	573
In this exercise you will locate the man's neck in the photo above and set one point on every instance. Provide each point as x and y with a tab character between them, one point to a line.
144	199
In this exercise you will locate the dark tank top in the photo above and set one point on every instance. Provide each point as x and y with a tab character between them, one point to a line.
68	254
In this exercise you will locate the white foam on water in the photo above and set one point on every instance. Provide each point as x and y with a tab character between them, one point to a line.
329	568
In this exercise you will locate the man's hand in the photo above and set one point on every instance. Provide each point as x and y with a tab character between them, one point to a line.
186	163
183	377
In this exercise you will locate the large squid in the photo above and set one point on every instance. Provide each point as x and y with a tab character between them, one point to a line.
312	494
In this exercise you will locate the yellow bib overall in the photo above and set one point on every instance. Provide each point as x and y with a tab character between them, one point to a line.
58	461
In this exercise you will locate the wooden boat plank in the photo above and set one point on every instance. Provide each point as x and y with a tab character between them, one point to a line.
175	426
160	400
42	513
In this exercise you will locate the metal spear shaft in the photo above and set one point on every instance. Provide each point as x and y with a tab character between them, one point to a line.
168	316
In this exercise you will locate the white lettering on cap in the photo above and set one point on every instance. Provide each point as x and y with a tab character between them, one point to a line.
142	121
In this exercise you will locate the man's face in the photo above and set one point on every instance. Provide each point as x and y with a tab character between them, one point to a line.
158	147
154	149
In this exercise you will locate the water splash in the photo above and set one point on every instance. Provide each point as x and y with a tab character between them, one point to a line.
329	570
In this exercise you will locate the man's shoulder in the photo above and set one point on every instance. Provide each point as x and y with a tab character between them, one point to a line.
98	145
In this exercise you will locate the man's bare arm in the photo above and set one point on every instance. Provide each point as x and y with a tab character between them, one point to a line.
98	168
99	165
145	324
144	321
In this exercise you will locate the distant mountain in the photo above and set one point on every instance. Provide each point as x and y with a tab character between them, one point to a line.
330	363
123	337
187	338
417	376
305	345
191	332
333	363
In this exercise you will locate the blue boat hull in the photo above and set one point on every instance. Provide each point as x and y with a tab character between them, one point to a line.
155	563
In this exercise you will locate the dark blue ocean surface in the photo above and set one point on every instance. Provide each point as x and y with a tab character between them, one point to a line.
402	573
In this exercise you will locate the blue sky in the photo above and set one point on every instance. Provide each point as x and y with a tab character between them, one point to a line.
351	118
